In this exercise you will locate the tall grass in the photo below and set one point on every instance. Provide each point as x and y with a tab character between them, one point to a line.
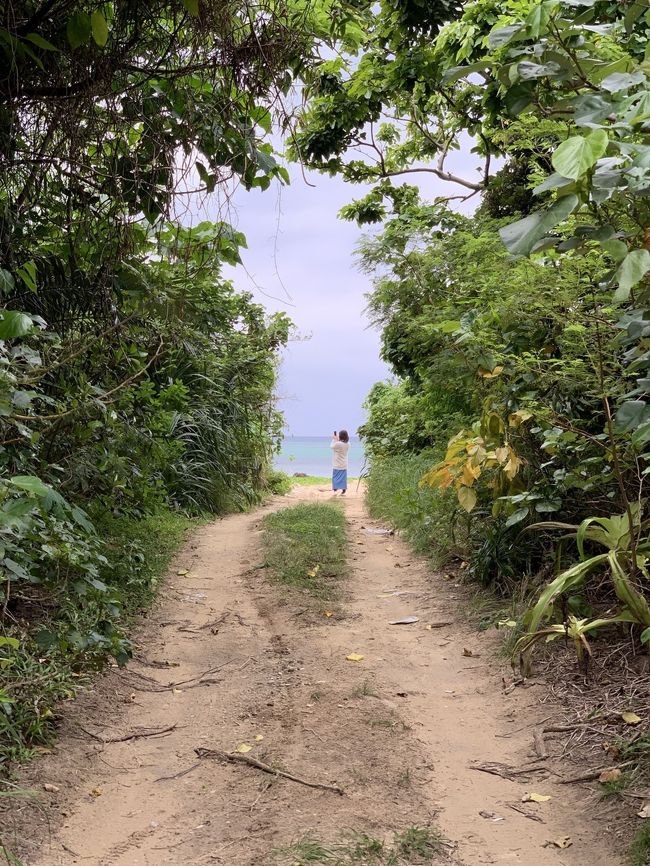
430	521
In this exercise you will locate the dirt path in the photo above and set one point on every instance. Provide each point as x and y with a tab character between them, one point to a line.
225	660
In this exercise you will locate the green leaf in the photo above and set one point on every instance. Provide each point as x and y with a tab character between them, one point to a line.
99	28
528	70
9	641
633	268
192	7
631	415
467	498
31	484
616	249
645	635
7	282
78	29
37	40
27	274
635	11
521	237
517	516
618	81
553	181
503	35
578	154
539	17
14	324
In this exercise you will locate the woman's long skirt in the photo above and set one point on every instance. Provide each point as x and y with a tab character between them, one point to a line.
339	479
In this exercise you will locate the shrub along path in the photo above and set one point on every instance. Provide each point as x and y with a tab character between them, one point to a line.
232	660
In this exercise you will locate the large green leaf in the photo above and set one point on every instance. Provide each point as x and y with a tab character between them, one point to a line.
99	28
578	154
632	414
633	268
14	324
31	484
521	237
78	29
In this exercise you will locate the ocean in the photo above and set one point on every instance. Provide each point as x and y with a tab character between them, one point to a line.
312	455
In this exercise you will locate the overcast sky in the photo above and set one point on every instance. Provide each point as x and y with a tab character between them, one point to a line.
300	258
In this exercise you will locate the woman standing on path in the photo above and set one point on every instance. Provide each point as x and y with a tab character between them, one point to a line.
340	446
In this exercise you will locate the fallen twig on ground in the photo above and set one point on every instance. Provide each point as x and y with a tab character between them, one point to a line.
134	735
178	775
236	757
525	812
506	772
594	773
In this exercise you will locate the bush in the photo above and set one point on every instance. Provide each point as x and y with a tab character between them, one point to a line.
278	483
429	520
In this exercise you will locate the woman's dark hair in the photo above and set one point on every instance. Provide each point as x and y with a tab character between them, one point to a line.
343	436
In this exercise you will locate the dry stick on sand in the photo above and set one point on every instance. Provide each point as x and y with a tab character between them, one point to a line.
135	735
234	757
590	775
506	772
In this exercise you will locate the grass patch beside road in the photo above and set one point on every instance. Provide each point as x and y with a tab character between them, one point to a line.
306	547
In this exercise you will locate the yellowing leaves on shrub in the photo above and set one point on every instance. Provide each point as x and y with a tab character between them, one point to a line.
242	748
631	718
354	657
490	374
535	798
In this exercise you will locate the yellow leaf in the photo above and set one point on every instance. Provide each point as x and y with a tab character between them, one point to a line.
535	798
314	571
177	691
259	738
501	454
518	417
328	613
490	374
182	571
96	792
631	718
467	498
242	748
354	657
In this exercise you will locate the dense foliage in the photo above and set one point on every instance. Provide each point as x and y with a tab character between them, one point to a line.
536	367
135	383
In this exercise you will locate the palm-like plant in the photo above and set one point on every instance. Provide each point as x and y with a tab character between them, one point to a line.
624	562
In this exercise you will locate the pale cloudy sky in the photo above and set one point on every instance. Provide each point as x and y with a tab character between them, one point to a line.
300	258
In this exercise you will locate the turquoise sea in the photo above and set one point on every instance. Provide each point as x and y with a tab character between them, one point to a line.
312	455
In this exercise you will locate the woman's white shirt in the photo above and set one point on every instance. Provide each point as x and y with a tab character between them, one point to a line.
339	454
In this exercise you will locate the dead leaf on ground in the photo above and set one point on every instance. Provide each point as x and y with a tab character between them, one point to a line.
313	571
328	613
631	718
535	798
182	571
354	657
96	792
610	775
645	812
51	789
405	620
564	842
242	748
471	654
259	738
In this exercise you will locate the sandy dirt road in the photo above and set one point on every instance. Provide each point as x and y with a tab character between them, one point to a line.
227	659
